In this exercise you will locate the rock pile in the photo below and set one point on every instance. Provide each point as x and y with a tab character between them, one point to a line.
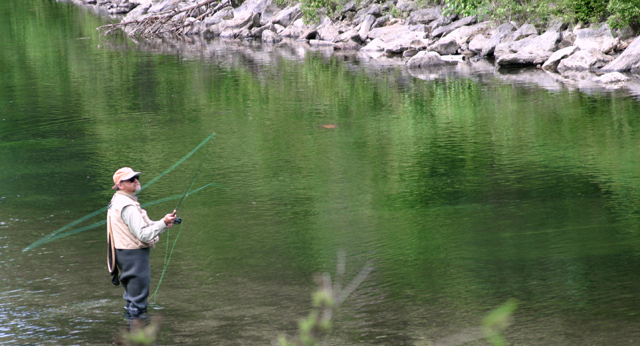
418	37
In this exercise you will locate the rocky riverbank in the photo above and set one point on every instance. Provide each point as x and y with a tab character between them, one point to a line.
396	31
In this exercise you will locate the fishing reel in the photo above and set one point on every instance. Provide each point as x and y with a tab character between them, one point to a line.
177	220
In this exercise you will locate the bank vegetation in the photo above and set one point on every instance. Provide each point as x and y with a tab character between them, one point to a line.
574	40
619	14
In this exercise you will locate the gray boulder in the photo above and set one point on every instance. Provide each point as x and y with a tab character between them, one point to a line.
137	13
522	59
392	32
552	63
497	36
278	28
463	34
269	36
523	31
381	21
441	21
252	7
405	5
478	43
532	50
224	14
376	45
327	30
257	32
425	59
629	60
350	6
568	39
365	27
233	28
611	78
287	16
212	30
425	16
599	38
162	6
445	46
444	30
400	45
296	29
347	45
373	10
410	53
350	35
396	45
584	60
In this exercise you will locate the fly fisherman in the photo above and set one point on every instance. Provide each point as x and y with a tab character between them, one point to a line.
130	233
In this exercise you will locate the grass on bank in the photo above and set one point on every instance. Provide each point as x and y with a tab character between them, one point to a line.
619	14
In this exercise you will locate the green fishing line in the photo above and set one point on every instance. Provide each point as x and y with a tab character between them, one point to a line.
167	258
51	236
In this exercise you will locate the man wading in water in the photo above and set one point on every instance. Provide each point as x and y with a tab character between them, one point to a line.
130	233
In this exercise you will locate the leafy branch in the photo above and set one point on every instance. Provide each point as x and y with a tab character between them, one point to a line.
326	300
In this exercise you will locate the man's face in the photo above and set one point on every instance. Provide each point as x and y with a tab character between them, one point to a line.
130	186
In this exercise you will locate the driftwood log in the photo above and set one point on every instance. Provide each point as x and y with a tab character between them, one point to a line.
174	21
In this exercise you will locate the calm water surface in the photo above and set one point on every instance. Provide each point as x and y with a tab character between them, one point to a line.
462	189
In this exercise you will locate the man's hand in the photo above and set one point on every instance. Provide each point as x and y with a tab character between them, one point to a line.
169	219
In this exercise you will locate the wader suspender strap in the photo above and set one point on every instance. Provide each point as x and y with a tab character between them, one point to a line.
111	254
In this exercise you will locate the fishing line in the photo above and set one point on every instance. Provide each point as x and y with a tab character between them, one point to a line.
177	219
49	237
167	259
186	193
179	162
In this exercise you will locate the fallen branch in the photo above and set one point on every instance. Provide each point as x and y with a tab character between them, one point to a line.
171	21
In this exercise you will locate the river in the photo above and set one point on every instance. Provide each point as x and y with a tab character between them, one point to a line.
462	189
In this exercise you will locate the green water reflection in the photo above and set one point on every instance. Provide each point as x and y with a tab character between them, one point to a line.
462	192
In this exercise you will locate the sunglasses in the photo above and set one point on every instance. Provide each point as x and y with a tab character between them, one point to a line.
132	179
